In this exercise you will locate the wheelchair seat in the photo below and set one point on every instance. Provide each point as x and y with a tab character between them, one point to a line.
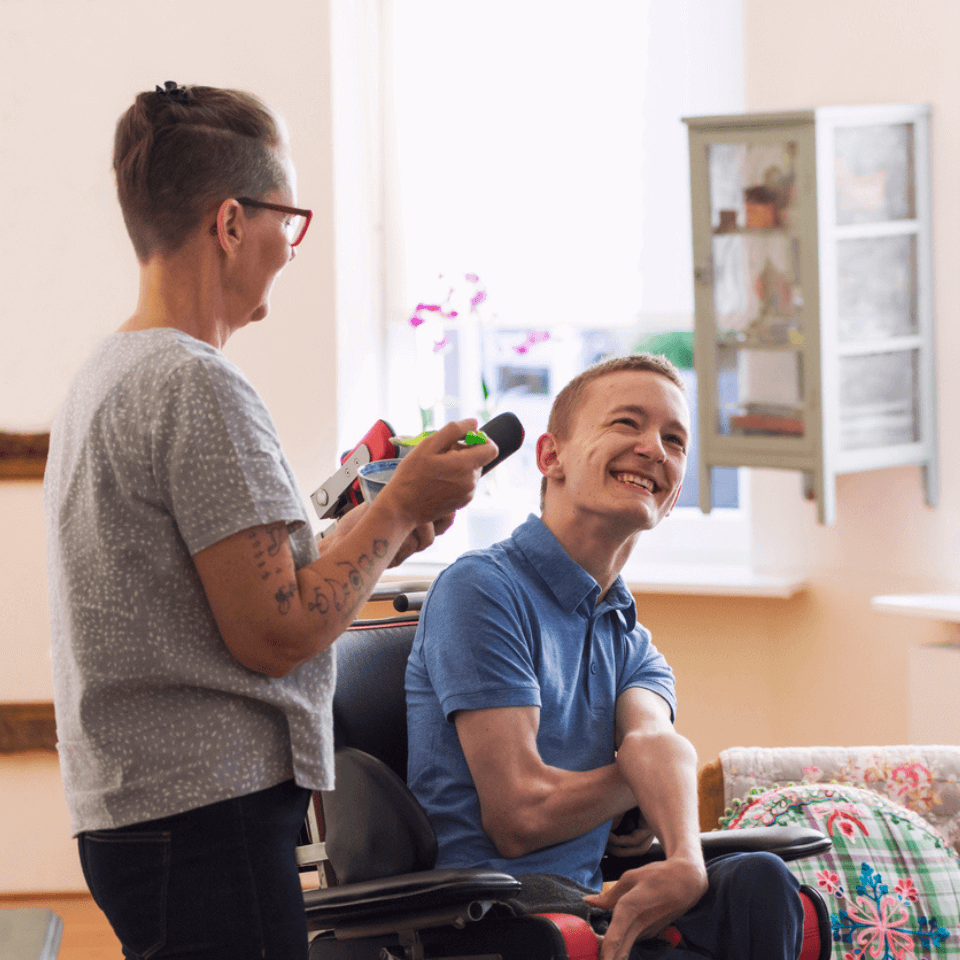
383	899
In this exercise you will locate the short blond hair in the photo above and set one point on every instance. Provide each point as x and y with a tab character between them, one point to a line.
568	400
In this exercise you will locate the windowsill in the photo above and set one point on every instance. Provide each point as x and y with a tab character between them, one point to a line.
932	606
719	580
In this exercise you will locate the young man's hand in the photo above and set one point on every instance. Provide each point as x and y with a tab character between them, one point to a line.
636	842
647	900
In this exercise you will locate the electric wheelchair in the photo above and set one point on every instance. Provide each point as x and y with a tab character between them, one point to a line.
380	897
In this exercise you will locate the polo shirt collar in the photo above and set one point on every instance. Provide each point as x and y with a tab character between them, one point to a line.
567	580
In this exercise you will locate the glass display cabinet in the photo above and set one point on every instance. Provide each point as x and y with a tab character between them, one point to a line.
812	276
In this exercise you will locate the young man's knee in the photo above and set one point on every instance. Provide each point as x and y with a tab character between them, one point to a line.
756	876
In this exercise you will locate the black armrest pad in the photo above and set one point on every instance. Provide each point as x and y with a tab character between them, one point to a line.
788	843
410	893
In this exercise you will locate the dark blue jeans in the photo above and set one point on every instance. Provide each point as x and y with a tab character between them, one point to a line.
751	911
216	883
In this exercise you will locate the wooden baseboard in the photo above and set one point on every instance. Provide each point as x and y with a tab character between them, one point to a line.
36	897
27	726
23	456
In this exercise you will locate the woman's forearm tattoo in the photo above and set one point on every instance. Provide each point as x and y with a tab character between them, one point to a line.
283	597
346	593
343	593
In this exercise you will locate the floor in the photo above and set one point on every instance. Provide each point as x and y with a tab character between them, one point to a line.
86	933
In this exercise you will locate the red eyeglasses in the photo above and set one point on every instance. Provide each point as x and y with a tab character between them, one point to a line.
295	226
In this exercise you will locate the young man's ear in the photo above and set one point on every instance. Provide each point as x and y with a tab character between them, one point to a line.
548	457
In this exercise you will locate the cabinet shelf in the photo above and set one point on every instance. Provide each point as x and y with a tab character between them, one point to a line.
752	232
877	345
725	344
882	228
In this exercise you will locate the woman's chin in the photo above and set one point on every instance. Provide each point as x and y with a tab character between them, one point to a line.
259	314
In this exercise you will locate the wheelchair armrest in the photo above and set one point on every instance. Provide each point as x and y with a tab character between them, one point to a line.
402	900
788	843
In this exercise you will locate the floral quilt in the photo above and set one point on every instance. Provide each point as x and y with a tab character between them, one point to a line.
891	880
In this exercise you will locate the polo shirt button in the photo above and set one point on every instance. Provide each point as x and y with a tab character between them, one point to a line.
593	667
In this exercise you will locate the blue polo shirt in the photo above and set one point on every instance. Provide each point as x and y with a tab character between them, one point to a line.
518	625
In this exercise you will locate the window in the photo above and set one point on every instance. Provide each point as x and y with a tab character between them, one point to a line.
533	154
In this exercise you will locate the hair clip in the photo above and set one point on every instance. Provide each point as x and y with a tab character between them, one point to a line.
174	91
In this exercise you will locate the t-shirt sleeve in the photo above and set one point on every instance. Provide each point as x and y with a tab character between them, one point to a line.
646	667
217	458
476	640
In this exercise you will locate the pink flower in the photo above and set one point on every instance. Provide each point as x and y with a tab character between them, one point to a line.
416	319
477	299
440	345
471	278
882	931
844	818
812	774
906	890
912	784
829	880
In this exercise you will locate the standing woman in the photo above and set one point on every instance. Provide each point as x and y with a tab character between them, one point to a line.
192	613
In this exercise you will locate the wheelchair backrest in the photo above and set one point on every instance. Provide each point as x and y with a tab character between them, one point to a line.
369	705
374	826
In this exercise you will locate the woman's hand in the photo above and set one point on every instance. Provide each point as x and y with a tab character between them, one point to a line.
421	538
437	477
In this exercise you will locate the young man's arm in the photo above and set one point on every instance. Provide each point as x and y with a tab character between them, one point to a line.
661	768
525	804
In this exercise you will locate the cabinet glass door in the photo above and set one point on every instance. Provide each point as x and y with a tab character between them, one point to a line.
757	301
878	323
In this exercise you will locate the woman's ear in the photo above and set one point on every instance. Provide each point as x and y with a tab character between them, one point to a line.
548	457
229	226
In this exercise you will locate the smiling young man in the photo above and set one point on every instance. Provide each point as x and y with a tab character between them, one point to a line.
540	712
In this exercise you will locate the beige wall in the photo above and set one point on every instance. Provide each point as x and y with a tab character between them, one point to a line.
820	667
824	668
69	277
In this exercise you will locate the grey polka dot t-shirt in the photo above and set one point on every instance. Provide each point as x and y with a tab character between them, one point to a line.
161	449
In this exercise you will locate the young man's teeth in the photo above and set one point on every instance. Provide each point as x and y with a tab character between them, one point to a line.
635	481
